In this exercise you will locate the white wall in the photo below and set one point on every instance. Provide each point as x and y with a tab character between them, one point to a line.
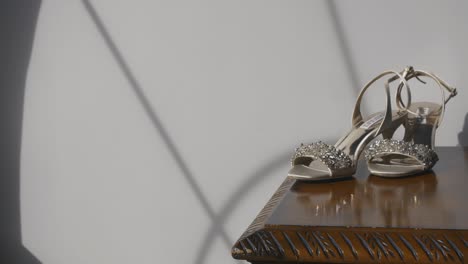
235	85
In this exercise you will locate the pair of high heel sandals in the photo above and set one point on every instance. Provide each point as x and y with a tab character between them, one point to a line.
386	157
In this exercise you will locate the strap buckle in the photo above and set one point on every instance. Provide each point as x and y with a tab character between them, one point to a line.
453	92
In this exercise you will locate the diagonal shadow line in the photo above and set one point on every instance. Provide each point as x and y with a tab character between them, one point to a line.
153	116
255	179
344	45
229	206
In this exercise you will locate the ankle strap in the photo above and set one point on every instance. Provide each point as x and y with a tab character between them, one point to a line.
442	85
386	122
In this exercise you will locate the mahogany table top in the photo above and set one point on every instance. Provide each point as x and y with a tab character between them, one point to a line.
366	219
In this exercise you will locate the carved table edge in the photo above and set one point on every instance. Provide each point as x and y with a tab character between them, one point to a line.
352	245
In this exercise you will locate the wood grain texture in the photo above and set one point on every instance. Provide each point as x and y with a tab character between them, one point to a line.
365	220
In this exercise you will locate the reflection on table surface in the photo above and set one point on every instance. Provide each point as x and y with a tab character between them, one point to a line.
418	201
396	202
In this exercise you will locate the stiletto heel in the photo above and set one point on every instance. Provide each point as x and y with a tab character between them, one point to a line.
415	153
319	161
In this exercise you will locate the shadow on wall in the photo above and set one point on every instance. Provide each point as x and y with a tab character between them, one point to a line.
17	26
463	135
218	219
153	115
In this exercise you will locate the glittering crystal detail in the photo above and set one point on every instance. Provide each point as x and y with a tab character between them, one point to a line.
329	155
423	153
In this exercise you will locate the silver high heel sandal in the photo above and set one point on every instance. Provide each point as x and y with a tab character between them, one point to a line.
319	161
415	153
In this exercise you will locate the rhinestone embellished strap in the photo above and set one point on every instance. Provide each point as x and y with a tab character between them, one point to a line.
334	159
427	156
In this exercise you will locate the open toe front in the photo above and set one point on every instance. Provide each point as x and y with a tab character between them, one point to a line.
395	158
319	161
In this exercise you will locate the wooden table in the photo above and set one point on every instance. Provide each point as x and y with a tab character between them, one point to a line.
366	219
